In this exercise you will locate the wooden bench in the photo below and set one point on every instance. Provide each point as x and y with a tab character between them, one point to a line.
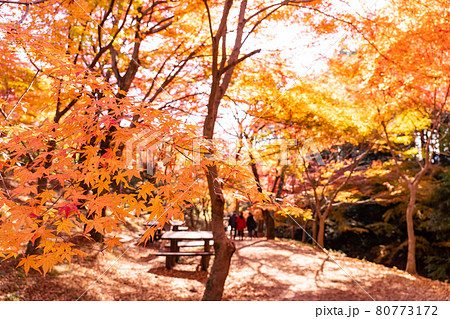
184	253
204	254
194	243
179	239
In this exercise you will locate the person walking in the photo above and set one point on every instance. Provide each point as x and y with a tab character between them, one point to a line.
241	224
251	225
233	224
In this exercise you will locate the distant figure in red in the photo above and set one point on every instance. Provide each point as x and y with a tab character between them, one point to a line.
241	224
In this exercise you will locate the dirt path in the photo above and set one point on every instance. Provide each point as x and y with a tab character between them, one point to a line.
261	270
282	270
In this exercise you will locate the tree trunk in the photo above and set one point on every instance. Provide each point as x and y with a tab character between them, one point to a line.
305	224
193	212
268	220
221	78
236	208
411	261
314	228
270	225
261	225
32	247
205	214
320	237
316	218
223	246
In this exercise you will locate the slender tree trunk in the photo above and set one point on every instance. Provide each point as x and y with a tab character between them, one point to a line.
314	229
322	218
270	225
411	261
412	186
222	73
95	235
32	247
192	213
223	246
236	208
315	222
205	209
261	224
321	235
268	220
271	221
305	224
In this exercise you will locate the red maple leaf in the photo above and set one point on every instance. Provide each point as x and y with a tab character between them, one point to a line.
68	210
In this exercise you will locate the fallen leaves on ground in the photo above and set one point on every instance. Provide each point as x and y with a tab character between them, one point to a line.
260	270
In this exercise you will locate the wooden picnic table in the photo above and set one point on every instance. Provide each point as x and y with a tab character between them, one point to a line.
176	224
192	239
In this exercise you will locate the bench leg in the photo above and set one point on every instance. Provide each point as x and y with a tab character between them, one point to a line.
205	262
169	262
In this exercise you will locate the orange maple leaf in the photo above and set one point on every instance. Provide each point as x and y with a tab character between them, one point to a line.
145	190
29	261
111	242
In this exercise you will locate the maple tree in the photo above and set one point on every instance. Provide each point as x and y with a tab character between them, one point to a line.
414	93
68	173
224	61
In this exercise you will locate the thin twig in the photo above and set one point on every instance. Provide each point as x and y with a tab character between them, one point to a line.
27	10
29	87
4	184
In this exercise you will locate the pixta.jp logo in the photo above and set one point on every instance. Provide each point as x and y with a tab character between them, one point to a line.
145	149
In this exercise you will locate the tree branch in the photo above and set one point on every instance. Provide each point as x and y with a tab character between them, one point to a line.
159	26
236	62
27	10
113	38
26	3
